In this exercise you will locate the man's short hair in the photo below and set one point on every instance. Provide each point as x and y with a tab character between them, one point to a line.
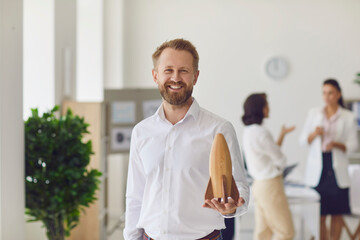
177	44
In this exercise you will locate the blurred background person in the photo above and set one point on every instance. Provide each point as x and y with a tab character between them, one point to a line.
330	132
265	163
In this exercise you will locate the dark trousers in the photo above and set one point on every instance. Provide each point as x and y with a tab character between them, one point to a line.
228	232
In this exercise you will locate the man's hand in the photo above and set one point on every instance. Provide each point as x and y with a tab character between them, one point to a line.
224	208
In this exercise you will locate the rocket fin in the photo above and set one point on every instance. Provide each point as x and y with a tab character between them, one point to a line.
209	191
234	191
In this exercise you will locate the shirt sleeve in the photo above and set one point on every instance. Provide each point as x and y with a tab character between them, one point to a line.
270	148
351	142
237	167
306	130
134	193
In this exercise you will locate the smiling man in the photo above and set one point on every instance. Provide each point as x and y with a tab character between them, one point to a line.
169	158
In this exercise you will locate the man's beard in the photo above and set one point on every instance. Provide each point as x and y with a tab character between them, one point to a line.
175	98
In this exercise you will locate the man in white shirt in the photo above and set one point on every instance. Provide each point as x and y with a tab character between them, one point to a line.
169	158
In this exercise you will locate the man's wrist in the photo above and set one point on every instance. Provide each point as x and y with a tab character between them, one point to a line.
230	213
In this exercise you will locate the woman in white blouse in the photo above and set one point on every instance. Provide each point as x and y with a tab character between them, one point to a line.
265	163
330	133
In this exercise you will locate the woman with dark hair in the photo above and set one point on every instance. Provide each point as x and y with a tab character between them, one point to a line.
265	163
330	133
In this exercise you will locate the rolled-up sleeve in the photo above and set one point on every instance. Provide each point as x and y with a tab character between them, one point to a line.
238	169
269	146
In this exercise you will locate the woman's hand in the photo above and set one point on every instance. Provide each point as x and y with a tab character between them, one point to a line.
284	131
333	145
319	131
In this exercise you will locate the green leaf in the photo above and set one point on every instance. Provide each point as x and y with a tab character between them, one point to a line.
58	183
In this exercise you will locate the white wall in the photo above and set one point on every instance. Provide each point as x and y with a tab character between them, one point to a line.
320	39
11	121
113	43
89	44
39	79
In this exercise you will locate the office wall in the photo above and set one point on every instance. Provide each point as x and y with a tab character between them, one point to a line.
39	82
320	39
89	44
113	43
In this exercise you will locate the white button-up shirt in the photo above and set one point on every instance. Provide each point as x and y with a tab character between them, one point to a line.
329	126
169	172
263	156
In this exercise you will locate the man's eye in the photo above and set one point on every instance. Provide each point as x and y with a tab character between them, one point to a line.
168	70
184	71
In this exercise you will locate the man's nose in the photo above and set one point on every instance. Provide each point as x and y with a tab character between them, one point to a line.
175	76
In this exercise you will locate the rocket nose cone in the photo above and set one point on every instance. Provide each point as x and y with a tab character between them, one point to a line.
219	147
219	137
219	140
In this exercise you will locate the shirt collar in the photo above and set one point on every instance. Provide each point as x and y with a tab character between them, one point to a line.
333	117
193	111
160	113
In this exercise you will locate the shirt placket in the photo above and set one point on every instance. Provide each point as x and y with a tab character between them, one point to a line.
166	183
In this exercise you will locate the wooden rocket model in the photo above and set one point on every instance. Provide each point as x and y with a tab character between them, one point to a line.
221	183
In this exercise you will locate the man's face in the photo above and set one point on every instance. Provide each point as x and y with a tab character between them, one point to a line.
175	76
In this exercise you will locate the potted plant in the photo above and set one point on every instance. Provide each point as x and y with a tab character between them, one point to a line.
58	183
357	79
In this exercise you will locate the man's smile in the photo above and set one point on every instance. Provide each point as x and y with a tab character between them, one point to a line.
175	87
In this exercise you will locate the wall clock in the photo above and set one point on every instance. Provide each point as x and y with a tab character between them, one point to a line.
277	68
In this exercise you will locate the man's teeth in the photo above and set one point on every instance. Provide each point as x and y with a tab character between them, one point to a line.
175	87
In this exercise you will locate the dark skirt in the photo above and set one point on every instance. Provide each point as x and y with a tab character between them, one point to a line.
334	200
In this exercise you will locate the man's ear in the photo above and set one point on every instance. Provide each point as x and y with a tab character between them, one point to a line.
155	75
196	75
